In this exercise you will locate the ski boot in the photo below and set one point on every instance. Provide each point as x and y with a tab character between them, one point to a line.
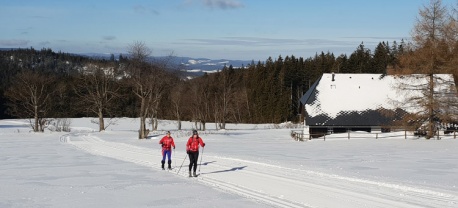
170	165
163	162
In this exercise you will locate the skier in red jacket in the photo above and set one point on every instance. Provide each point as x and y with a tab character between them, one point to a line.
167	144
192	148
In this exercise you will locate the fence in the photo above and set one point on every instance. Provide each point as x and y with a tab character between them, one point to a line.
299	135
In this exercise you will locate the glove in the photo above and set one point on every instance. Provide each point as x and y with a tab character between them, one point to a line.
162	145
188	152
173	147
203	145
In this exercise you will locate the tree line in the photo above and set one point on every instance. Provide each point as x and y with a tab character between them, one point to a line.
43	84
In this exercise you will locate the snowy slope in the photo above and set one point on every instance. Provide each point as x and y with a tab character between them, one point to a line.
244	166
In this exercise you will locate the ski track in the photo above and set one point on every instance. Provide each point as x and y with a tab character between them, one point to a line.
249	179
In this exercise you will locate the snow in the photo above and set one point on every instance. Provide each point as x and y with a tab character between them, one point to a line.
200	70
243	166
192	62
194	70
361	92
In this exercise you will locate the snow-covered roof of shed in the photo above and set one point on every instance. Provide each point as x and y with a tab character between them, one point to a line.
361	92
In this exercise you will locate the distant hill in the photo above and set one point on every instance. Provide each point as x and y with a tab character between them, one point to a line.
199	66
190	66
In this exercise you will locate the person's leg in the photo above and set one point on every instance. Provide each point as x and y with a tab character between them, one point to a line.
196	158
163	158
192	165
169	154
191	159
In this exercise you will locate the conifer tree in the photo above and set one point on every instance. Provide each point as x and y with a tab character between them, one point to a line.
359	61
380	59
428	56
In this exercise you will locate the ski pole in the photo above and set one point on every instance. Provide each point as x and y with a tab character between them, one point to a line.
182	163
202	156
175	161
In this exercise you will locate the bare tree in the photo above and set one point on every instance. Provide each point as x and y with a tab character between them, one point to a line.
199	101
176	97
224	98
206	97
195	101
159	87
163	82
98	90
240	107
141	76
139	52
30	97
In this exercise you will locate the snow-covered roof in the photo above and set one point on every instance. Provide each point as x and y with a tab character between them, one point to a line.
356	99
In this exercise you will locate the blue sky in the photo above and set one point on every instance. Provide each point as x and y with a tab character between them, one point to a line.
231	29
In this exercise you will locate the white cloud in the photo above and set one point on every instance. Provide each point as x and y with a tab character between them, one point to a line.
140	9
109	37
216	4
14	43
223	4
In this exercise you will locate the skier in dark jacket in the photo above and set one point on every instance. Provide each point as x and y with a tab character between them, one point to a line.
192	148
167	144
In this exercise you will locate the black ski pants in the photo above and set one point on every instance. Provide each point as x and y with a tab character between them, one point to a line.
193	157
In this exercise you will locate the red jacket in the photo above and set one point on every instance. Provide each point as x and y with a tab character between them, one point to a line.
193	144
167	143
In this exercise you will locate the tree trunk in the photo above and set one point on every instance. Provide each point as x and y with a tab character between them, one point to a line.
142	131
431	128
223	125
41	124
101	121
35	126
155	122
152	122
142	128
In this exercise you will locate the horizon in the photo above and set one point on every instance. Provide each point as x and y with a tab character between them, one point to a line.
213	29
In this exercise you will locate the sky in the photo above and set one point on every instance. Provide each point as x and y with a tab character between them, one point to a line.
246	166
216	29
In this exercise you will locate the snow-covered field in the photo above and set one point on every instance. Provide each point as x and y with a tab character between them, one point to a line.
243	166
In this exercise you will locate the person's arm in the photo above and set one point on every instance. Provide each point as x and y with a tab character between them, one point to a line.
187	145
161	142
201	142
